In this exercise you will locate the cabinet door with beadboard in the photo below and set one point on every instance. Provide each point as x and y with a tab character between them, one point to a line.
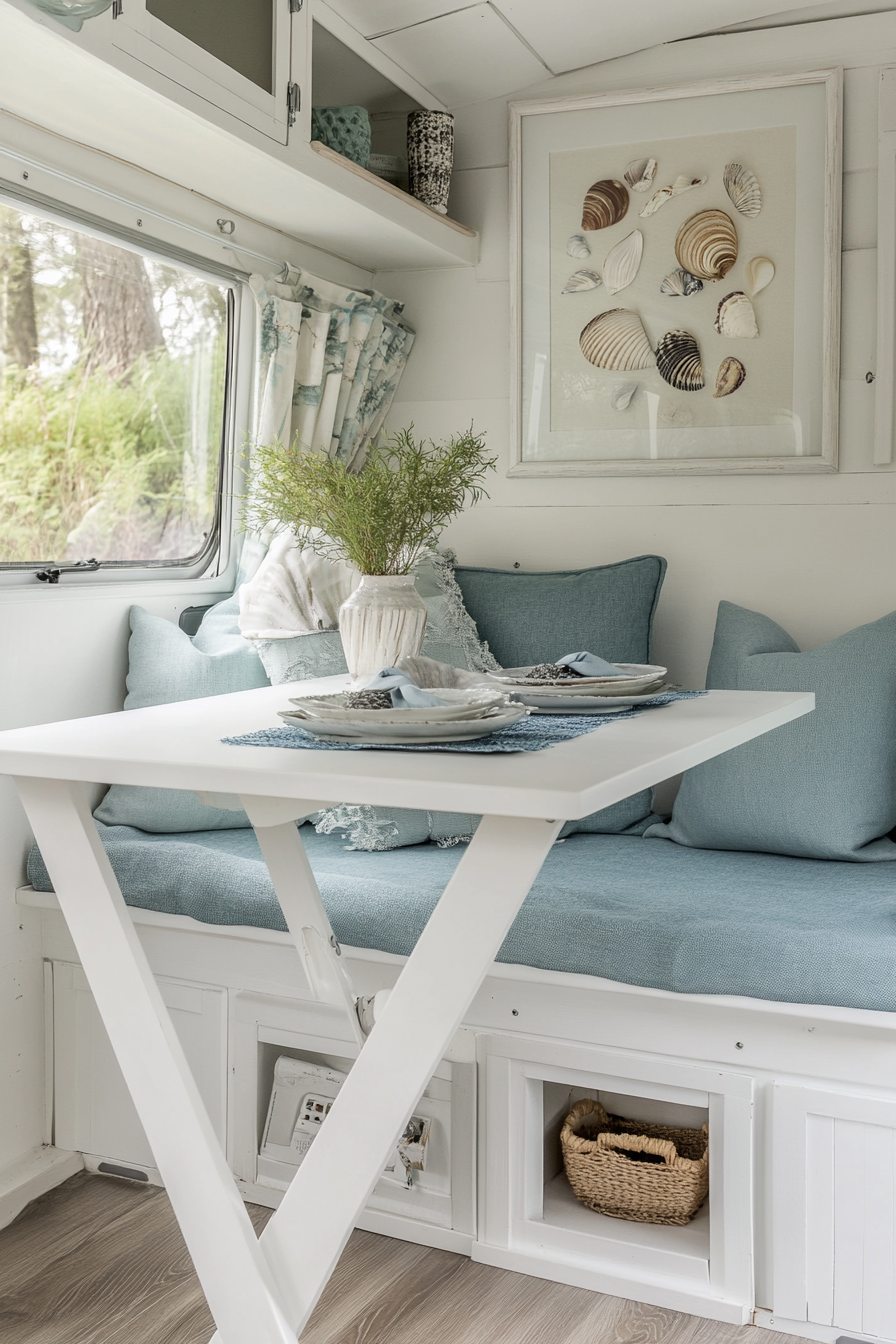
834	1209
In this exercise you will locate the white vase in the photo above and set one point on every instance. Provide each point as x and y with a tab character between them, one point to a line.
382	621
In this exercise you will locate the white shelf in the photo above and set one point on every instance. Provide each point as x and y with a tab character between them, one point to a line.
81	87
563	1210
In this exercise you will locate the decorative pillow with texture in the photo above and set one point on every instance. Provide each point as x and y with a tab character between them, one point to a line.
165	665
822	787
537	617
451	635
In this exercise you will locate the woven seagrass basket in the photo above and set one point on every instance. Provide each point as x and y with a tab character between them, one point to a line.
627	1169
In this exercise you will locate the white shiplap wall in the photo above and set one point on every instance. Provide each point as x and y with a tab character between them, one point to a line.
816	554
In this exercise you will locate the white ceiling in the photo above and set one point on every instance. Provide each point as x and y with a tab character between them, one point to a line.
469	52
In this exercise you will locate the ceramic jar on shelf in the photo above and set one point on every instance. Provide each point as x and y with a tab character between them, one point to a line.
382	621
431	157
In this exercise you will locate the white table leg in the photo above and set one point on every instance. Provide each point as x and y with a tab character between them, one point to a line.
232	1268
306	918
306	1236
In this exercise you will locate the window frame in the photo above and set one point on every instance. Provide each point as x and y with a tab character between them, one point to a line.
217	556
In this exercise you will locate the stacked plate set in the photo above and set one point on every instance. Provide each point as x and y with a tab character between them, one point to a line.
466	714
638	684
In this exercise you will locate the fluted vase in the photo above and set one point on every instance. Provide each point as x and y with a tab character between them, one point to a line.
382	621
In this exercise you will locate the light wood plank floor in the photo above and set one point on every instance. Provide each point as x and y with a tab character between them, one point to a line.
101	1261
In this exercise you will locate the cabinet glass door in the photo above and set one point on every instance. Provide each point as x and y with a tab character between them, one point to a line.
234	54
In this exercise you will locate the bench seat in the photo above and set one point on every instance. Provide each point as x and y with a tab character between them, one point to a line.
642	912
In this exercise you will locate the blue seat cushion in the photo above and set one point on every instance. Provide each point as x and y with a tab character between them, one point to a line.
644	912
538	617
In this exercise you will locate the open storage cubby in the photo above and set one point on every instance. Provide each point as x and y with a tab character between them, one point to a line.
340	78
530	1215
440	1197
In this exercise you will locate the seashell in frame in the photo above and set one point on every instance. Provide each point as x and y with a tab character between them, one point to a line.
729	377
760	272
706	245
616	340
621	396
639	174
577	247
743	188
580	280
678	361
622	262
678	187
681	284
606	202
735	318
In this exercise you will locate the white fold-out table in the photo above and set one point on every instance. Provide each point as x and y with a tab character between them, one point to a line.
263	1291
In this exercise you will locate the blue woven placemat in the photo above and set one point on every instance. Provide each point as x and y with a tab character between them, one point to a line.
533	733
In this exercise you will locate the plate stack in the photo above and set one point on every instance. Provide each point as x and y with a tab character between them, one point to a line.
638	685
465	715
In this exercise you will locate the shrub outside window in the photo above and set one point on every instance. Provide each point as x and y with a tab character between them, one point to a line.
113	378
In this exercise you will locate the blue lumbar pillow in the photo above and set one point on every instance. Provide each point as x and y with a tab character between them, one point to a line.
822	787
165	665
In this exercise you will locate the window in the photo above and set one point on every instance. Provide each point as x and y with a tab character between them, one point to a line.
114	368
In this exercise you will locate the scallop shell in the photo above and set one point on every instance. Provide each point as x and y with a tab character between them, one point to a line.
580	280
606	202
729	377
678	187
706	245
760	272
735	318
616	340
577	247
743	188
681	283
621	396
622	262
678	361
639	174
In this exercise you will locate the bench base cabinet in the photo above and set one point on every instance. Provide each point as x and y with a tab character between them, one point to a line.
798	1234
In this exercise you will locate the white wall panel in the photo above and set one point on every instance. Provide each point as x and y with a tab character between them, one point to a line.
463	54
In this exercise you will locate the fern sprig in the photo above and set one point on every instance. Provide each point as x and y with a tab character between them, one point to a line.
382	518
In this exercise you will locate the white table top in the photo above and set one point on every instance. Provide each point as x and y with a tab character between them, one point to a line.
179	746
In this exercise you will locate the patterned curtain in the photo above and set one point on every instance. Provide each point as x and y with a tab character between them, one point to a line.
330	360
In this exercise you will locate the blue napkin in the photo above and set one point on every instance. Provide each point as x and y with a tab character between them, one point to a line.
589	665
405	695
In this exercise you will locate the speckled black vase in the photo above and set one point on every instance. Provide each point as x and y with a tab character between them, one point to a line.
431	158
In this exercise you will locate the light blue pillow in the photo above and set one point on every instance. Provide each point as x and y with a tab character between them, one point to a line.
822	787
538	617
165	665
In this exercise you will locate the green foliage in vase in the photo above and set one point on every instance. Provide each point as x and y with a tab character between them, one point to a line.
382	518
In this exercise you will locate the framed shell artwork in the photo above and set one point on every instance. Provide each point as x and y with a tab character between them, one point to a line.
676	271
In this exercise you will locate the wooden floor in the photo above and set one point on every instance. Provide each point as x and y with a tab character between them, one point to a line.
101	1261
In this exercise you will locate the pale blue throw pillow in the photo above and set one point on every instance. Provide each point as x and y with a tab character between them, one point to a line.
166	665
821	787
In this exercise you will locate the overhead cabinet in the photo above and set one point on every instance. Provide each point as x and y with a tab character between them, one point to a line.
245	57
216	96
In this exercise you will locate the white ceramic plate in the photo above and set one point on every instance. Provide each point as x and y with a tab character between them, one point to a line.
397	734
638	677
584	704
470	703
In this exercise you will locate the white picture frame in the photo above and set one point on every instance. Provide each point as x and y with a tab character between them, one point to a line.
786	417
